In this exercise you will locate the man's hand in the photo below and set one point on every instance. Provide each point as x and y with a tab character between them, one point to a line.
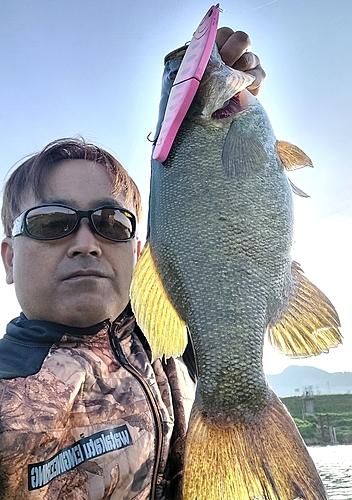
235	51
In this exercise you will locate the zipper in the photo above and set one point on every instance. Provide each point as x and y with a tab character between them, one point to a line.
120	356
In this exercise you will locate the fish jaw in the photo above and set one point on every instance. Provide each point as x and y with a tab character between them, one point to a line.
218	85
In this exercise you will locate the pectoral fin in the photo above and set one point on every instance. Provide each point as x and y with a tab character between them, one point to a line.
297	190
165	331
291	156
243	152
310	324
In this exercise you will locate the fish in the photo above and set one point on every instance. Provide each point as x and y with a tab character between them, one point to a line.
216	271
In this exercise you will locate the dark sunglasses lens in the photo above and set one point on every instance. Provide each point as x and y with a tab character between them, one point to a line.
48	223
113	224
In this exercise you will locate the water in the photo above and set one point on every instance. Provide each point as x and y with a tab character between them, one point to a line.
334	464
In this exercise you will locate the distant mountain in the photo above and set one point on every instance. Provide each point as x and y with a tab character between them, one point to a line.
296	379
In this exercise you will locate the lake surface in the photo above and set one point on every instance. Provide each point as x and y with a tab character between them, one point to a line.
334	464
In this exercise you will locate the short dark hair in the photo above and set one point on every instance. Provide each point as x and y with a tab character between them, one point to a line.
30	175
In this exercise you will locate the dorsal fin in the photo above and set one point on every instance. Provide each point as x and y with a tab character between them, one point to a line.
291	156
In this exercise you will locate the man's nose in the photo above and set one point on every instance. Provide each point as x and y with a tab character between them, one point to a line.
84	241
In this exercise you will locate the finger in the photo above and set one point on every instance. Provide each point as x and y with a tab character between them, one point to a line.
222	35
246	62
259	75
233	46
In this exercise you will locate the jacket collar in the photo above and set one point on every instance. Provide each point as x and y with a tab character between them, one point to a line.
27	342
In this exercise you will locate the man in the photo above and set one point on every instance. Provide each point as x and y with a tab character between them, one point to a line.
84	414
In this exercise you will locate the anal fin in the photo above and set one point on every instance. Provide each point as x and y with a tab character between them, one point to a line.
165	331
310	325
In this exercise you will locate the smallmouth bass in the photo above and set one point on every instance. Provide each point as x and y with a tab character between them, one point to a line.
217	264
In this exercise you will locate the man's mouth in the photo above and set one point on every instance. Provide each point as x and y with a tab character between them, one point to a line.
84	274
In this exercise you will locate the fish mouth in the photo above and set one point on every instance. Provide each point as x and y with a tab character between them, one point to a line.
230	108
236	104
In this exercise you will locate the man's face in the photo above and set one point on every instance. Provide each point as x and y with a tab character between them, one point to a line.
81	279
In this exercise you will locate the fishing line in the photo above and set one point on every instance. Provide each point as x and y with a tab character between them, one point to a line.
261	6
255	8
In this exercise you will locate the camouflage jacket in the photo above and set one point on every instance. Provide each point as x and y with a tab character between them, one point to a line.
95	419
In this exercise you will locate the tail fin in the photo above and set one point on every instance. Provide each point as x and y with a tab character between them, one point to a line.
262	460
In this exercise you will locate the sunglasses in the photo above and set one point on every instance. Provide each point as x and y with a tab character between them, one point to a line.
52	222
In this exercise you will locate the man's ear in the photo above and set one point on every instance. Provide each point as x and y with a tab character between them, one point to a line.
7	258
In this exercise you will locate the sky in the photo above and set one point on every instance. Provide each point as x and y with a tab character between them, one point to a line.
93	67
